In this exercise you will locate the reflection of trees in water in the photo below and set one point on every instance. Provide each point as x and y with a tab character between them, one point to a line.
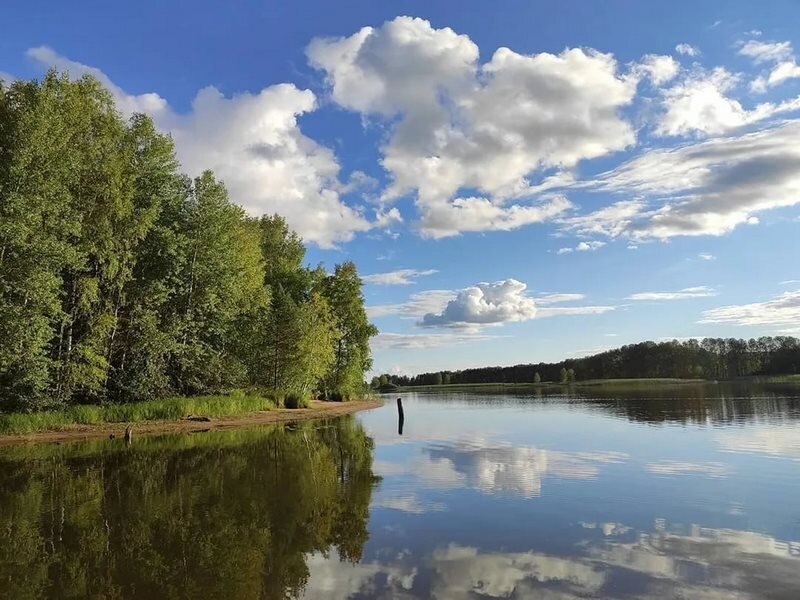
711	403
215	515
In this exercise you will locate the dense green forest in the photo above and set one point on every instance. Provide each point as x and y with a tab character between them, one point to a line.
122	279
711	358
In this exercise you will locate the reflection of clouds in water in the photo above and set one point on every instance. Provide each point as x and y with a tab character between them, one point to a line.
705	560
330	578
385	468
464	572
667	467
519	469
700	563
784	442
409	503
397	494
439	472
456	572
498	468
608	529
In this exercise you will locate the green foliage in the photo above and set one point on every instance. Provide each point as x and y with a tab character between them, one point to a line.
64	174
316	343
122	280
221	280
352	354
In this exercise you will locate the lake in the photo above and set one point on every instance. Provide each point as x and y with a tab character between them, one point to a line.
689	491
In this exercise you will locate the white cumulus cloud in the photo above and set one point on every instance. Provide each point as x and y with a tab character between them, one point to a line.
658	68
456	124
484	304
700	104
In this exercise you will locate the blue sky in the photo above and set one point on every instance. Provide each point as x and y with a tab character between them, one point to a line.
518	181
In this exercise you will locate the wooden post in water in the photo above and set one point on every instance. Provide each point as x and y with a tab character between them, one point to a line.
400	416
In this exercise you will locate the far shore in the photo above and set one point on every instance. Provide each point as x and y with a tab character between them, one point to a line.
317	410
634	382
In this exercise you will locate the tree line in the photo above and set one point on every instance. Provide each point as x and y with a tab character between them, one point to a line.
123	279
711	358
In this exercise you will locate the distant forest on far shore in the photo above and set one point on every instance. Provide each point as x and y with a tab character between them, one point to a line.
711	358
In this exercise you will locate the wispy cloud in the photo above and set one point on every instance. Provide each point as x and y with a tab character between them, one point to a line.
558	311
417	305
784	309
698	189
701	291
582	247
687	50
546	299
398	277
778	54
421	341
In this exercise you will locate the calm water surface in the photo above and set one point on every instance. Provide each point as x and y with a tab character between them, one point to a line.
689	492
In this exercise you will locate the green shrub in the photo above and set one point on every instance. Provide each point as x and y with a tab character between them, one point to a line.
296	400
341	396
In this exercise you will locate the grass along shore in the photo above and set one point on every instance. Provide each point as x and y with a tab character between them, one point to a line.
167	410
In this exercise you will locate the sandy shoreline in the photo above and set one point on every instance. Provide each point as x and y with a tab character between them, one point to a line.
318	410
